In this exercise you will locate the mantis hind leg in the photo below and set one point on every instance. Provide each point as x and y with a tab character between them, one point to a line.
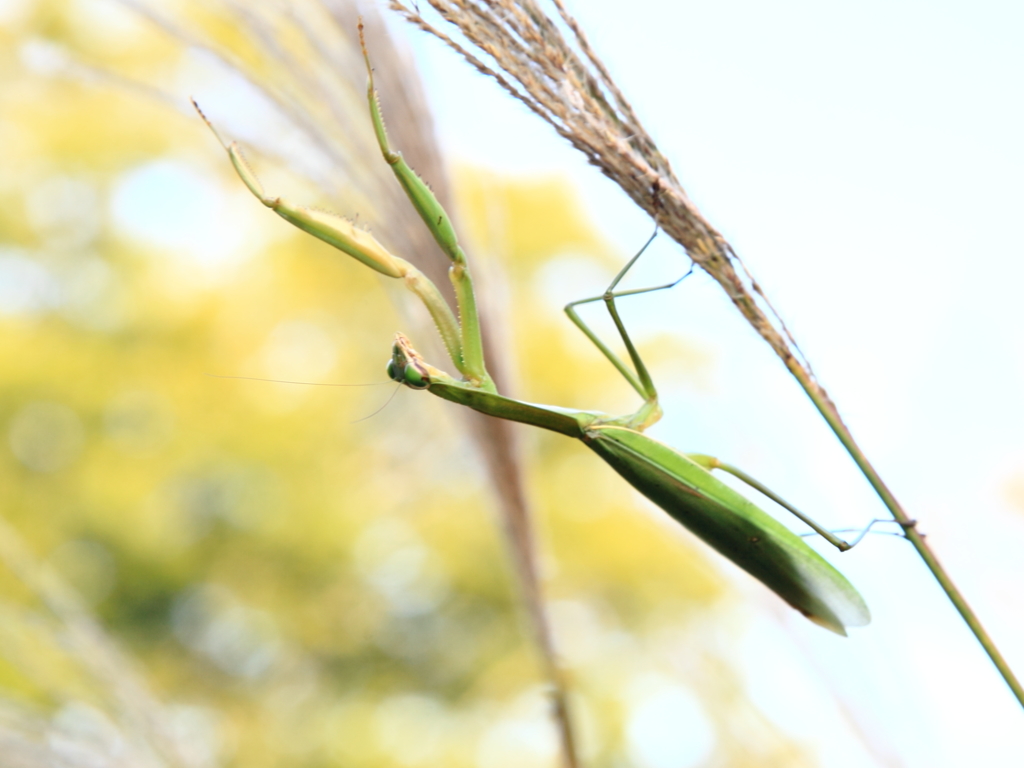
638	377
710	462
862	532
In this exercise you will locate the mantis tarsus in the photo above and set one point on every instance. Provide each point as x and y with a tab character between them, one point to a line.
681	484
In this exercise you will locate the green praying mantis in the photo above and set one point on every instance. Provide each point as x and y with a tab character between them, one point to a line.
679	483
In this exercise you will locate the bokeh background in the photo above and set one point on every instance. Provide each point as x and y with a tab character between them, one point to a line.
201	571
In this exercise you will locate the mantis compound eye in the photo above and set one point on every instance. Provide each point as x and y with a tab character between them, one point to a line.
413	378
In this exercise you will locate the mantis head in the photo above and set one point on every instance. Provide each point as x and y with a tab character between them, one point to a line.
406	366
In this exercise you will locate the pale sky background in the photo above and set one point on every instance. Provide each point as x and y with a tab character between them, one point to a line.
866	161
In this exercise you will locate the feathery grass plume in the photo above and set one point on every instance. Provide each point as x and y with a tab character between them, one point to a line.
562	81
567	86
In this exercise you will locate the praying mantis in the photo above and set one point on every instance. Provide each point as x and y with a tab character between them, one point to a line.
681	484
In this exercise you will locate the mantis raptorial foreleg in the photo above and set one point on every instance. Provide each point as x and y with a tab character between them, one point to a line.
461	337
440	225
358	243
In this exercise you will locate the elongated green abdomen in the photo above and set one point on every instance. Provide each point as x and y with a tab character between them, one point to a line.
733	525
